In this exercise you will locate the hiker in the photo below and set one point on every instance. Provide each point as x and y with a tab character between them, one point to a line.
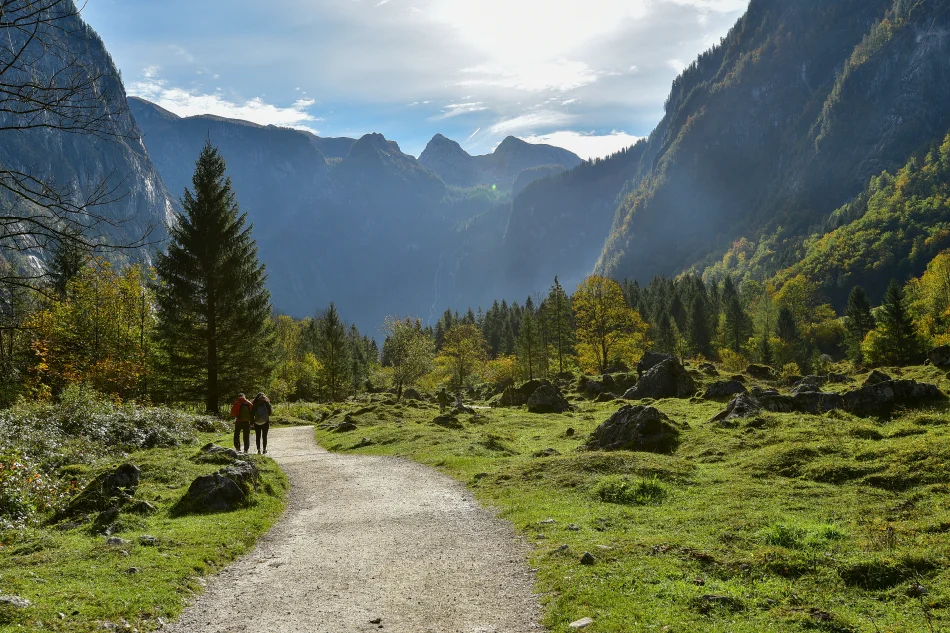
260	416
443	398
241	412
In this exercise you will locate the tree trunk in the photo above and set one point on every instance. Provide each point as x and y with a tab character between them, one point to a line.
211	396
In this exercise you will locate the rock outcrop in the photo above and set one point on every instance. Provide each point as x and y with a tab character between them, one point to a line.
547	399
636	428
667	379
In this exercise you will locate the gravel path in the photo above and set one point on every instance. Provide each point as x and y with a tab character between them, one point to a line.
370	544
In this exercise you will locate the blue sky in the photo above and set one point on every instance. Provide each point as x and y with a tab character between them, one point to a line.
588	75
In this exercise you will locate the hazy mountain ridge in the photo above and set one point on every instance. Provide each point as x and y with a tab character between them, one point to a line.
502	168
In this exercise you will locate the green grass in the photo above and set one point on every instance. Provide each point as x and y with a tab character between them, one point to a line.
76	582
787	522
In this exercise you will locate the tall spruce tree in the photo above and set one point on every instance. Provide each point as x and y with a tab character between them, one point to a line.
560	318
858	322
785	325
332	348
737	324
899	335
697	325
213	306
529	346
68	259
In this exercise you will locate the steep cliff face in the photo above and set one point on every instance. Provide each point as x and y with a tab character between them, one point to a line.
781	124
106	162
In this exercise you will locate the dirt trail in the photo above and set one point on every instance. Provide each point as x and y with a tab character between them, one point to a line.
366	539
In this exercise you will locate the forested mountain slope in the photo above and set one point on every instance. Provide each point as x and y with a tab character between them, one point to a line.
782	123
891	230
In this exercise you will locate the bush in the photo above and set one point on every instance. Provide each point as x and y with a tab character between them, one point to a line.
733	361
39	439
622	490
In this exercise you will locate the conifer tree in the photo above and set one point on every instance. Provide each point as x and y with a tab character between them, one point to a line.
331	347
529	347
737	322
67	261
858	322
560	319
665	334
697	326
785	325
212	303
899	337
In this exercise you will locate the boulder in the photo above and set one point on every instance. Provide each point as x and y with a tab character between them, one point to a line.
761	372
15	602
709	369
212	493
742	406
668	379
607	397
243	473
547	399
213	449
636	428
411	394
875	399
448	421
940	356
724	389
876	377
650	360
517	396
880	399
816	402
110	489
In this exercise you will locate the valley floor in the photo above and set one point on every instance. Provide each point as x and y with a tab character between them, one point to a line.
782	522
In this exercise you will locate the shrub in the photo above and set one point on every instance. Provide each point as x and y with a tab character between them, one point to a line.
622	490
733	361
39	439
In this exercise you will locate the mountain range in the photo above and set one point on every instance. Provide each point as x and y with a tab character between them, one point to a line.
766	137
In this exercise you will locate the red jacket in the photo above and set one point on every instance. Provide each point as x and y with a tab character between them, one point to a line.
236	407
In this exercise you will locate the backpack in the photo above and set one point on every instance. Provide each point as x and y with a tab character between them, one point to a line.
244	413
261	414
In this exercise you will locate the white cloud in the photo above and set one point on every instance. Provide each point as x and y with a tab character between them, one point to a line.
559	75
185	102
455	109
531	121
676	64
586	145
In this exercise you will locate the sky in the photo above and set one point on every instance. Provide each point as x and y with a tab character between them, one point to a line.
587	75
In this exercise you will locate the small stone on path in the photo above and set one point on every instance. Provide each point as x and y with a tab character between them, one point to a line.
579	624
115	540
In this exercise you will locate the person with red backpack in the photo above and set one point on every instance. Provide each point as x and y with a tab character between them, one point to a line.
241	412
260	415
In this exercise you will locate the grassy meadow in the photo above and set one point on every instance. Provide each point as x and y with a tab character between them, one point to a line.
78	583
783	522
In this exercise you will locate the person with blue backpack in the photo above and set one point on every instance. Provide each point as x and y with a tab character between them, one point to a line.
260	416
